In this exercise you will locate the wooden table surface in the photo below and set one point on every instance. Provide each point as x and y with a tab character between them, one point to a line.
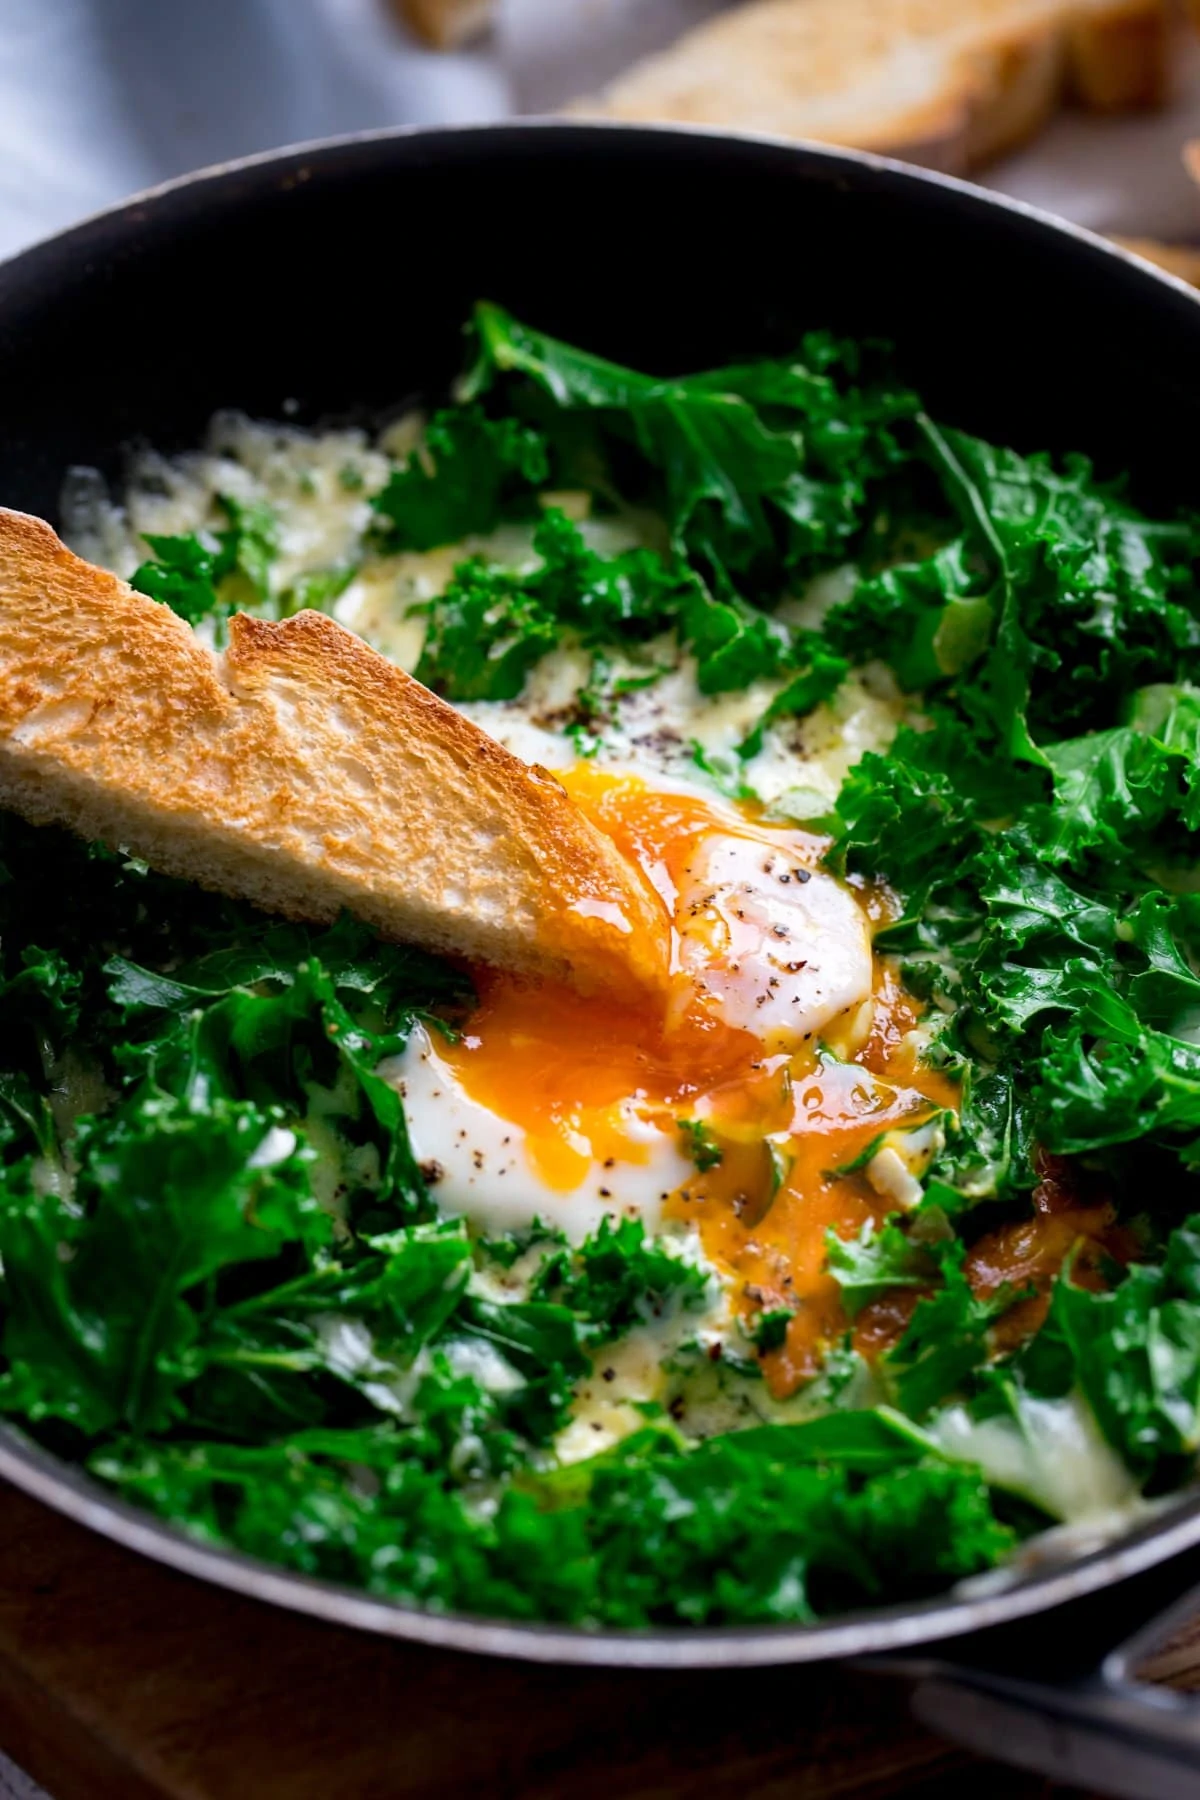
123	1681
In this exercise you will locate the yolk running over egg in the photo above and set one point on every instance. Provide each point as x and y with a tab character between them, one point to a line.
786	1039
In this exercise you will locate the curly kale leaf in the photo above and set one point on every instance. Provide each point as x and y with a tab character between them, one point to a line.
876	1262
737	1531
210	576
1133	1348
616	1279
765	470
469	473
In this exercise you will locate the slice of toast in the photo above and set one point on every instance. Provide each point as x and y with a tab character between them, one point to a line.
951	83
301	771
446	23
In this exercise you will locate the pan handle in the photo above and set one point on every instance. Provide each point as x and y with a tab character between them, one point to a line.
1039	1698
1110	1735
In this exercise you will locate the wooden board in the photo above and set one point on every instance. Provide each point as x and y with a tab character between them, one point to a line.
123	1681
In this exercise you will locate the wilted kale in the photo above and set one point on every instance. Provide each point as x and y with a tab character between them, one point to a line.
233	1344
469	474
490	625
763	470
875	1263
616	1280
218	574
761	1526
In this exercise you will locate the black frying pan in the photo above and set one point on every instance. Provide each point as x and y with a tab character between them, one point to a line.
332	282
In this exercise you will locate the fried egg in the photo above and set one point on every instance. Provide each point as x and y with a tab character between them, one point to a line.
783	1094
779	948
553	1107
571	1167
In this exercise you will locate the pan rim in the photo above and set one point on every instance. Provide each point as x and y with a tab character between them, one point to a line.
71	1492
68	1490
533	126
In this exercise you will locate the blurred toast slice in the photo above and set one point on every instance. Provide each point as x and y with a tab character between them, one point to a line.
303	772
446	23
951	83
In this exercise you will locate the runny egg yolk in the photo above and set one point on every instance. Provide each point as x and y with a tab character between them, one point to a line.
785	1041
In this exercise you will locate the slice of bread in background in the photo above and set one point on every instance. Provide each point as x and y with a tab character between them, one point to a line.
301	771
951	83
446	23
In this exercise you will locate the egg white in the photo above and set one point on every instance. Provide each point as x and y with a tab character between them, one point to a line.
479	1165
780	949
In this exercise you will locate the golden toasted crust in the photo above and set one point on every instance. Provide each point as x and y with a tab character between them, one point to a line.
303	772
950	83
445	23
1119	57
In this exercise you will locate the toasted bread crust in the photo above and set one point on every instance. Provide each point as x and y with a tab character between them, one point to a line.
445	23
951	83
1119	60
302	771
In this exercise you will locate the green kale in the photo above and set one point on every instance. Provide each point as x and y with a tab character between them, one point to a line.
192	575
726	1533
542	1340
989	1151
185	576
251	544
1107	1079
316	589
946	1339
616	1279
878	1261
509	1248
470	473
316	1348
484	632
771	1329
818	673
617	599
700	1144
766	471
1133	1349
490	625
99	1329
730	1532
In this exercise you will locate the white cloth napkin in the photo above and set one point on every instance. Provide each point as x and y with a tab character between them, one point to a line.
99	98
16	1785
